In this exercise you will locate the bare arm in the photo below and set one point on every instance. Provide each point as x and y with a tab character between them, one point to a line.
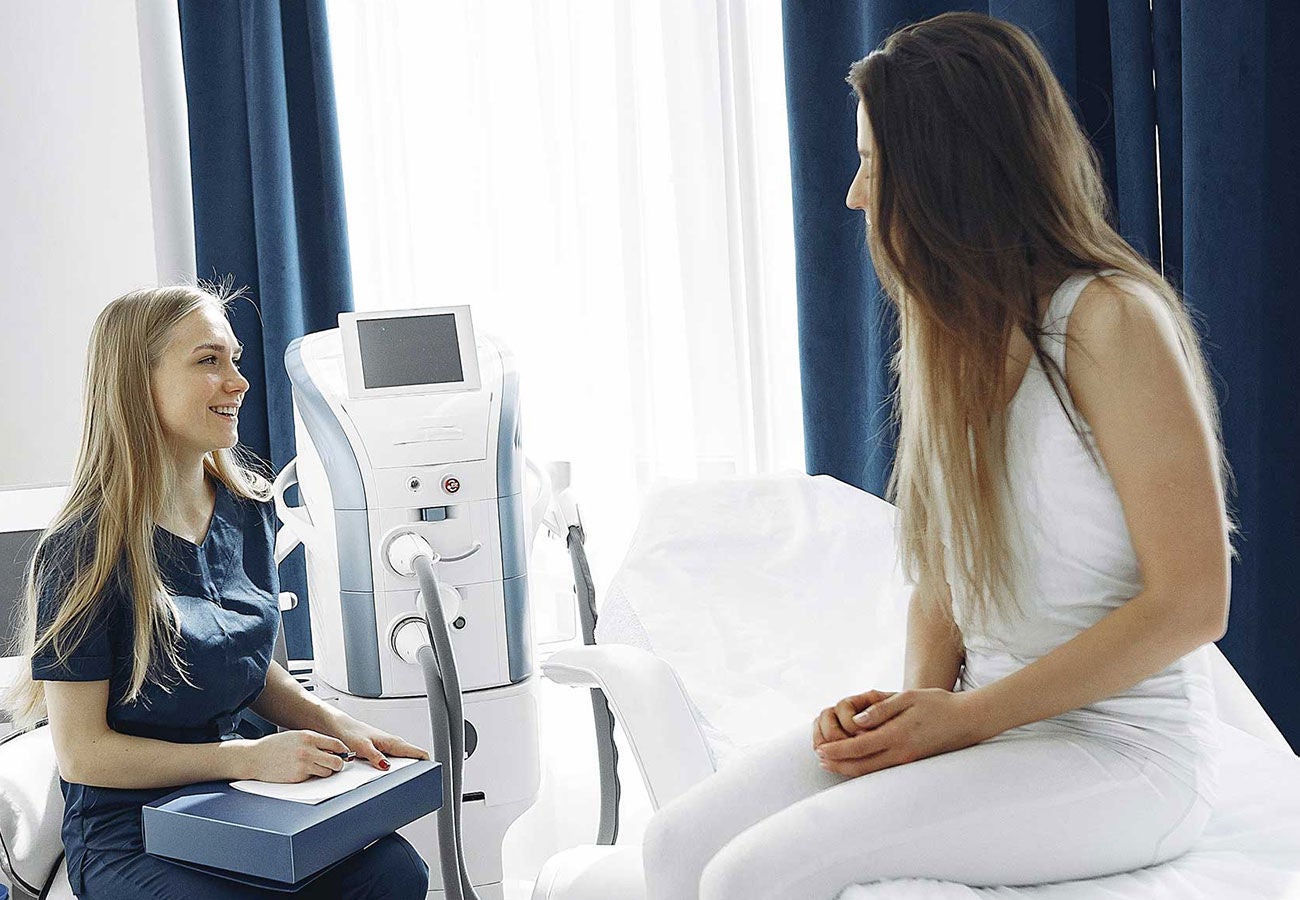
1133	387
288	704
89	752
935	652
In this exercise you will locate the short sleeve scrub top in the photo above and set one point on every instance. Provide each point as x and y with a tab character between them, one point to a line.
227	592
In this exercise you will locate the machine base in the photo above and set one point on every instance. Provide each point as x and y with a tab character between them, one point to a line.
502	774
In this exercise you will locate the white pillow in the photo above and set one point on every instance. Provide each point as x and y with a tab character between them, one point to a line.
31	806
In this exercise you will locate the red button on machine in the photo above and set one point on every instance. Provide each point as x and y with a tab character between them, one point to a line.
450	485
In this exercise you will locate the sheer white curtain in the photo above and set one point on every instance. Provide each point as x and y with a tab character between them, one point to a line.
607	185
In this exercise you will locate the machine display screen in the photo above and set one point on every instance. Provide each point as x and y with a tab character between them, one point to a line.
409	350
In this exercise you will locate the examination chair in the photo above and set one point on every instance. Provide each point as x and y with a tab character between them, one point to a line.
712	637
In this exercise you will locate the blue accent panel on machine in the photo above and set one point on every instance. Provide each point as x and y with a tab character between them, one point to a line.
331	443
519	630
358	608
509	433
352	528
510	518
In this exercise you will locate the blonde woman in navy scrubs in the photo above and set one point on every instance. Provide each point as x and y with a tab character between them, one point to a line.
152	611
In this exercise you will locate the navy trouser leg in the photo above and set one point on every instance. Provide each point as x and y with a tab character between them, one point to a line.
389	869
133	875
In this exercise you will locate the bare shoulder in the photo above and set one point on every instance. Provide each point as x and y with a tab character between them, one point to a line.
1118	314
1134	385
1123	345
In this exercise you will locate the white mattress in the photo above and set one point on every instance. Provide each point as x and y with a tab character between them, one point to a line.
1250	850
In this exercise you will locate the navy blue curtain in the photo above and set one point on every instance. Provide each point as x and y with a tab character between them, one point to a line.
268	203
1222	222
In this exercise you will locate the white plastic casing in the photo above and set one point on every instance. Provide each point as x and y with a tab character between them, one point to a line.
403	435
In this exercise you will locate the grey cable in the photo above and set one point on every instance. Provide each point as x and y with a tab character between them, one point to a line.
606	750
448	688
442	753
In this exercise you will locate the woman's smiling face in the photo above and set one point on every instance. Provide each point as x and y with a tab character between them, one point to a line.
196	385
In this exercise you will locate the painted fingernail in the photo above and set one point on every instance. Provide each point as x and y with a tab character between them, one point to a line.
383	764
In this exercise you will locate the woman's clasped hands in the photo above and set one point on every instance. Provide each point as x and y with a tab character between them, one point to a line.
878	729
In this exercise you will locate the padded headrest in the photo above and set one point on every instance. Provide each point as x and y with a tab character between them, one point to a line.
31	806
771	597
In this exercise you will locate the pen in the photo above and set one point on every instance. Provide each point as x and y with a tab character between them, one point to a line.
346	757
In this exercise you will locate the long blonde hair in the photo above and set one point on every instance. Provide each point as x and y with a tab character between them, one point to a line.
985	188
102	538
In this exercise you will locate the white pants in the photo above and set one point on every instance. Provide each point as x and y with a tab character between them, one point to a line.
1030	806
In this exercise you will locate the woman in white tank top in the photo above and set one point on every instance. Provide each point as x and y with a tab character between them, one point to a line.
1061	486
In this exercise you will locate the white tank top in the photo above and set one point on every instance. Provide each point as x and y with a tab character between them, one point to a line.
1079	564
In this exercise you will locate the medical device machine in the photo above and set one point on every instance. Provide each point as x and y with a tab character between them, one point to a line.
410	471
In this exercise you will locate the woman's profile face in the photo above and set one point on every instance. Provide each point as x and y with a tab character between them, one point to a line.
196	385
860	190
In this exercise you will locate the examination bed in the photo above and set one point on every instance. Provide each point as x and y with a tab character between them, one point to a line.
712	638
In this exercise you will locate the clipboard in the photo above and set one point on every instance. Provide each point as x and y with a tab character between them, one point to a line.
281	844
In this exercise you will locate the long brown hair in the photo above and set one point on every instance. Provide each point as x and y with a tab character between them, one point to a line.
986	190
103	535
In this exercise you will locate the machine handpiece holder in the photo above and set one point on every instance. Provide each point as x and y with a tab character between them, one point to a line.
425	641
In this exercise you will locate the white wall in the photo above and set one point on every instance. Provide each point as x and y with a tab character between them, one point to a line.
76	217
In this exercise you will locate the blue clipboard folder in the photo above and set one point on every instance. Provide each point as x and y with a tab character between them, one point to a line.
281	844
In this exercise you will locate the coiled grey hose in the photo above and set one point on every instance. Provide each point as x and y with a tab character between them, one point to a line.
447	721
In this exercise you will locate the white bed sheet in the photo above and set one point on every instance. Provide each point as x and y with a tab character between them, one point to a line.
1250	849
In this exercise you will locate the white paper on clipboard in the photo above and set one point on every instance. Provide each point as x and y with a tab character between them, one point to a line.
316	790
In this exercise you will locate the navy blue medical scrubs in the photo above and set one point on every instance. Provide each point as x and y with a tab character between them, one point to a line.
227	591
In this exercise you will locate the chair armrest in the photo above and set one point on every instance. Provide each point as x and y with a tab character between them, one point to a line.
1237	706
31	809
648	701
